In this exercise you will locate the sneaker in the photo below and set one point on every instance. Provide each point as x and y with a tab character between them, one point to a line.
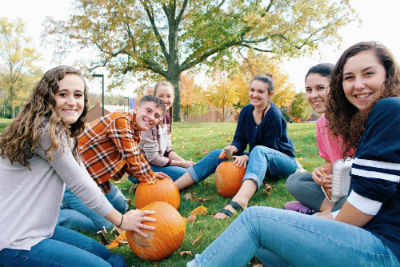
298	207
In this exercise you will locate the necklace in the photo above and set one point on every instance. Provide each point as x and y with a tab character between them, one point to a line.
263	113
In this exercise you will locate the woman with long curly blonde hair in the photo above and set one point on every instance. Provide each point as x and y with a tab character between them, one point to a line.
38	158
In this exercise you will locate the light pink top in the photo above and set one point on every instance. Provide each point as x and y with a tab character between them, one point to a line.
330	147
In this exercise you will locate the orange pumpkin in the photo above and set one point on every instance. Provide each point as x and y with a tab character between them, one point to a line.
160	190
228	178
168	235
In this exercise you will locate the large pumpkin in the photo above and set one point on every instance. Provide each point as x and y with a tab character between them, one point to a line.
159	190
228	178
168	235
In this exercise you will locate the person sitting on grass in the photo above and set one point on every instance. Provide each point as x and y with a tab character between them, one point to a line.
271	152
156	143
363	108
306	187
39	156
109	147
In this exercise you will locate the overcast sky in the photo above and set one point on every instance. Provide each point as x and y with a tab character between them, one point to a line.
380	22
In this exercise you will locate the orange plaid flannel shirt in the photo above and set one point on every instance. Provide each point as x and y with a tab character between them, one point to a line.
109	147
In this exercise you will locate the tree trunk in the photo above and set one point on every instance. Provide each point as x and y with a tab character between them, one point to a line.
174	79
12	111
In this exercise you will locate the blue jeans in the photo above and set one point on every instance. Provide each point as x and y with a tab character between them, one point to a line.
263	162
172	171
287	238
75	214
65	248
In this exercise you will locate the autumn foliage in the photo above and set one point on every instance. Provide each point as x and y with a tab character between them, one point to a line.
166	38
233	89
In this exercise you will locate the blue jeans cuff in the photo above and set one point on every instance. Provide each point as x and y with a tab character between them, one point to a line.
194	175
191	263
252	176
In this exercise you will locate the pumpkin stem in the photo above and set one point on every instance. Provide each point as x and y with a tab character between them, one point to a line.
153	181
228	153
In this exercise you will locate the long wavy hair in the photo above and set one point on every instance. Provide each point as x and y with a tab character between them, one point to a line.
344	118
168	84
20	138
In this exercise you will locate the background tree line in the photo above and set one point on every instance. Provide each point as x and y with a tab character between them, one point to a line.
229	40
161	39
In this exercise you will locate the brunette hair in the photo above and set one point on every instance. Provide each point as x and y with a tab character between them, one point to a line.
168	84
265	79
323	69
154	99
19	139
344	118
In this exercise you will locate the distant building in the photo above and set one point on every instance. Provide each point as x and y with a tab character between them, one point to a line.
95	112
214	114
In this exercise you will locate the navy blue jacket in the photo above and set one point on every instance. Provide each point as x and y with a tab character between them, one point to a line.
271	132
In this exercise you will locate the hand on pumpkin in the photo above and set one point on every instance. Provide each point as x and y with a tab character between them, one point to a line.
241	161
161	175
231	148
133	221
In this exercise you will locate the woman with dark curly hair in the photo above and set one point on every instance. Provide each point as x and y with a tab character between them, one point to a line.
39	156
365	91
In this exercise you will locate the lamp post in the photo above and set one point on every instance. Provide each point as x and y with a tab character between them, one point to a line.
127	97
102	91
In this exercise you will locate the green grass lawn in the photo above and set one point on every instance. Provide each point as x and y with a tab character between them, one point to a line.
4	123
193	141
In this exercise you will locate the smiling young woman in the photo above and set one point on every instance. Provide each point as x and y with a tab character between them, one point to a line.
365	231
70	98
38	158
262	127
306	187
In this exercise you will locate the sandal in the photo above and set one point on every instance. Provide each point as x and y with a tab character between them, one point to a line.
236	206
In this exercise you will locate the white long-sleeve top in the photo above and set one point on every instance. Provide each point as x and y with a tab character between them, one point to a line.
30	199
156	144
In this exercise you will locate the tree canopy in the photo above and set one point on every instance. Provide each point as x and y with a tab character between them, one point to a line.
255	64
18	72
299	109
167	37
